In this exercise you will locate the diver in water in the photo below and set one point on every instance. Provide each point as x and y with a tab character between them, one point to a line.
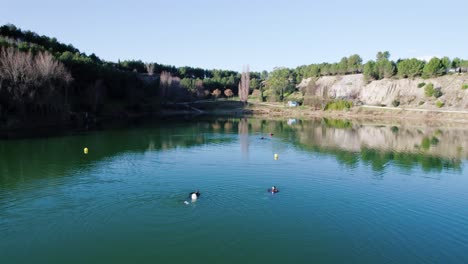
273	189
194	195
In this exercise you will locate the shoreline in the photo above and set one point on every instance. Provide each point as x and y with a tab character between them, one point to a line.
358	114
366	113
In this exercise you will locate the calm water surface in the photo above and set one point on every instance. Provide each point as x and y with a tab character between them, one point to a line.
349	193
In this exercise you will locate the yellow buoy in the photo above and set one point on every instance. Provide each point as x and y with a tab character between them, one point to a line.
276	156
85	150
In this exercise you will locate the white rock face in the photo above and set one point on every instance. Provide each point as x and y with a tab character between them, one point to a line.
384	92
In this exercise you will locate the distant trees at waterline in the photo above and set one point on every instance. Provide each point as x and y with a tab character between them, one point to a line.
38	74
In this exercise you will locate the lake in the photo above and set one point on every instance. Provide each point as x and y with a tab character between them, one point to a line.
350	192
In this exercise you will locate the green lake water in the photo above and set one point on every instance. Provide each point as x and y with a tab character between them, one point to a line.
349	193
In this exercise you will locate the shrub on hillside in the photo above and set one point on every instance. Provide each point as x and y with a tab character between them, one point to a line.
429	90
439	104
396	103
339	105
421	85
437	92
464	86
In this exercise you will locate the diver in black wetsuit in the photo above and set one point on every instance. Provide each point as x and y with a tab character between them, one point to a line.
273	189
195	195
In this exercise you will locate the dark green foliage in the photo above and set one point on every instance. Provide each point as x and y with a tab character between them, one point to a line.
434	68
446	63
396	103
187	72
188	84
437	92
369	71
132	65
439	104
464	86
384	68
30	38
354	64
347	65
219	79
410	68
421	85
280	82
383	55
343	66
456	63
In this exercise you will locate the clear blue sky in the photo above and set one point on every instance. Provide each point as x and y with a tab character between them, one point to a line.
264	34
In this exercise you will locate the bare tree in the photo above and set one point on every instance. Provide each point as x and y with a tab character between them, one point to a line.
50	69
228	93
200	89
149	68
24	75
165	80
244	84
216	93
17	70
170	87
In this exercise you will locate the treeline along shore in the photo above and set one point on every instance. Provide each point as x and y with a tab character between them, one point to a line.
44	82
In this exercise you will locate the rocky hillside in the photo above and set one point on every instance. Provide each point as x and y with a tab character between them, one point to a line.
408	92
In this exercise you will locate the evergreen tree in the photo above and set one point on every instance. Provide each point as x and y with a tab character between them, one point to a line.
369	71
434	68
354	64
410	68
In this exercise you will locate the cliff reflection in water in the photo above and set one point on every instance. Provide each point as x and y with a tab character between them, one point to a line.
431	148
